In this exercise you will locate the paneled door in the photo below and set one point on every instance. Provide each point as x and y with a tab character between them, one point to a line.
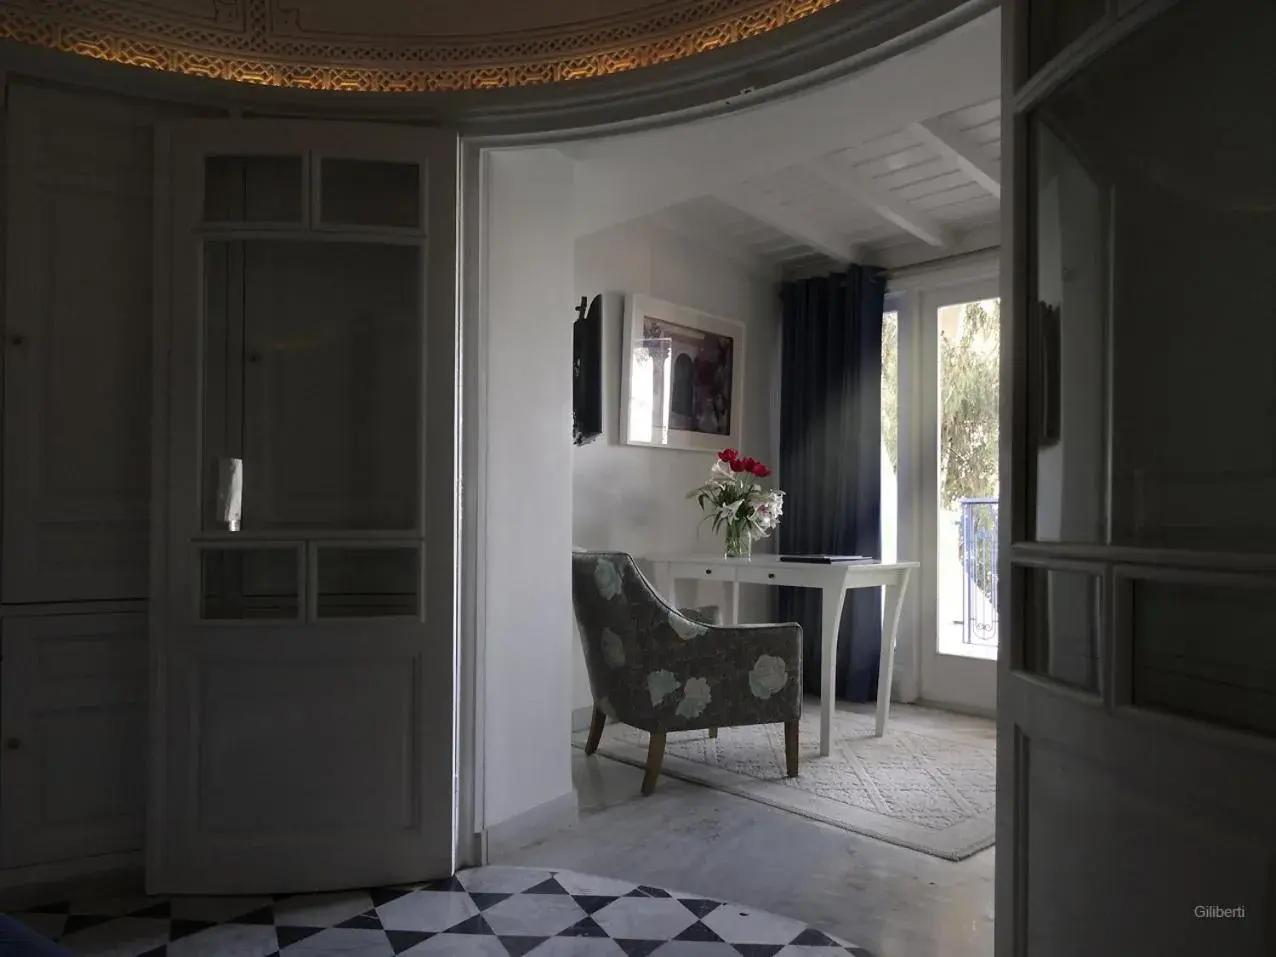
303	639
73	706
1136	791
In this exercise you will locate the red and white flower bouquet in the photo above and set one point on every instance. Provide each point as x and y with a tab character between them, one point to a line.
734	501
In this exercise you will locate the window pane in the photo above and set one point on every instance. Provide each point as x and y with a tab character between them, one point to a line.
890	437
968	506
365	582
313	361
1064	616
1174	130
253	189
369	193
1067	327
1206	652
237	583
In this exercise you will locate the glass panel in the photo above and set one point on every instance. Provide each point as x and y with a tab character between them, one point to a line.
365	582
1064	616
966	558
238	583
313	360
369	193
1175	126
1206	651
1068	328
890	437
1053	24
253	189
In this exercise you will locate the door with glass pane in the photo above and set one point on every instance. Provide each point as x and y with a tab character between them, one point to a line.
958	472
1137	690
303	639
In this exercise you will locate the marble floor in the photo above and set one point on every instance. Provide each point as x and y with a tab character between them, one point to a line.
483	912
891	901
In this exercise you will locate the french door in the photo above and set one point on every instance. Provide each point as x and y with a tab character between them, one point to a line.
940	477
958	486
303	635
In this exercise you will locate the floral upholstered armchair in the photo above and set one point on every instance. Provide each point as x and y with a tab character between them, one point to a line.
659	669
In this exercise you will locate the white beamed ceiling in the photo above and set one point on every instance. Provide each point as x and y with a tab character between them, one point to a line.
911	174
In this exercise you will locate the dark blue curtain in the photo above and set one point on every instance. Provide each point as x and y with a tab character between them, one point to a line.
830	459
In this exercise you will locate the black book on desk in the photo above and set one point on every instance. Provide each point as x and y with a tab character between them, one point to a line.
828	559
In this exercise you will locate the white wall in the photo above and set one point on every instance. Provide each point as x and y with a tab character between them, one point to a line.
630	498
528	268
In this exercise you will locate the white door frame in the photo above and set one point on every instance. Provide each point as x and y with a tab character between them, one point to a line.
912	293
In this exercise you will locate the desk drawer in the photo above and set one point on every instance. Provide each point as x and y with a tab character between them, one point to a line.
684	570
808	577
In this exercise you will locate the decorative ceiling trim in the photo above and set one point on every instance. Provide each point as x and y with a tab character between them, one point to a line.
261	42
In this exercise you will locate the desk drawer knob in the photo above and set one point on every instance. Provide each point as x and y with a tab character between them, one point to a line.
770	574
708	571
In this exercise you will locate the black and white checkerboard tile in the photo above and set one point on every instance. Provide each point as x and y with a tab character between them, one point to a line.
485	912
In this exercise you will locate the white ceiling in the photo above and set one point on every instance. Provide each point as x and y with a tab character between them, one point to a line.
895	165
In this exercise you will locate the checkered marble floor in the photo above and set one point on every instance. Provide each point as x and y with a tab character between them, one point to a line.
485	912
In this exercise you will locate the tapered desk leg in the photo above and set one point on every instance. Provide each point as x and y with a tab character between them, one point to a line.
893	601
834	596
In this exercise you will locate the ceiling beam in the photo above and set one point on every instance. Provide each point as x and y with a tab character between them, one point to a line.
765	209
959	147
881	201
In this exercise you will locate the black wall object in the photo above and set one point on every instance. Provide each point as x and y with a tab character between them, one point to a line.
587	372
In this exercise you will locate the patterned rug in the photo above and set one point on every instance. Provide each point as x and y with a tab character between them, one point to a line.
928	784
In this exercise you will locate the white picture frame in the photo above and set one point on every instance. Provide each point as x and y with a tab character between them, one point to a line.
682	377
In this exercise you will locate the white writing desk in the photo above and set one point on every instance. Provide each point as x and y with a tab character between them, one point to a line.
833	580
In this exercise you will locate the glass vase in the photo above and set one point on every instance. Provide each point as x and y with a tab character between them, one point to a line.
739	541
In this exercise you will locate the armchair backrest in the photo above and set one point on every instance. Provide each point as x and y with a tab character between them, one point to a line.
624	625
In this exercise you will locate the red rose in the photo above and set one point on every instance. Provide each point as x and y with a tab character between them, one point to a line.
748	464
737	465
760	470
727	455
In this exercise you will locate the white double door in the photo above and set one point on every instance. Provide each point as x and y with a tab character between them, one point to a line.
947	496
303	636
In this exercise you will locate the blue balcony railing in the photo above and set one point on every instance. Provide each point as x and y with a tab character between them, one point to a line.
977	543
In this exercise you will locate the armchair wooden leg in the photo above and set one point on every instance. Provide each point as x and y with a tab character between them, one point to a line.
655	758
791	747
595	731
713	732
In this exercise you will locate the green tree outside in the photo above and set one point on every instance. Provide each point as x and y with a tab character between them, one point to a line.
969	371
969	380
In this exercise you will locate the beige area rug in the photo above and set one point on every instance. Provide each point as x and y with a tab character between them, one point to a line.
929	784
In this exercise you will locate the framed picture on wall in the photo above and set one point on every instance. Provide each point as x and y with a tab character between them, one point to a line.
682	377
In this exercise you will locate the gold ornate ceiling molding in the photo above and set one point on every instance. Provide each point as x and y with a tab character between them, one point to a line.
309	44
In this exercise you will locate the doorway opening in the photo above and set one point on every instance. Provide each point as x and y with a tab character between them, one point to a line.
703	236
